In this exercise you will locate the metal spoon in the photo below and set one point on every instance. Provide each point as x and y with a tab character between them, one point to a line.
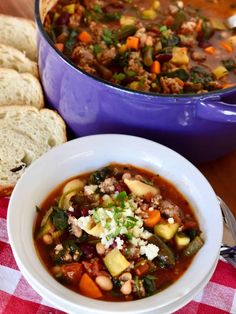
231	21
226	251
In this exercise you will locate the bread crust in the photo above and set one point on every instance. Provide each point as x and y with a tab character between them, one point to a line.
25	30
6	189
10	75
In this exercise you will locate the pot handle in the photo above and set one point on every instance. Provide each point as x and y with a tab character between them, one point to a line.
212	108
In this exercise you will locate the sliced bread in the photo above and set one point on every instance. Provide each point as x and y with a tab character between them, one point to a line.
12	58
25	134
20	89
19	33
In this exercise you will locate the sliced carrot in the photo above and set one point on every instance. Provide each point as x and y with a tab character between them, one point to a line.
198	27
156	67
89	288
142	269
210	50
85	37
154	217
226	46
59	46
132	42
228	85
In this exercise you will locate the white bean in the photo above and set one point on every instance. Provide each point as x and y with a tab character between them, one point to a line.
126	288
47	239
125	276
104	283
100	248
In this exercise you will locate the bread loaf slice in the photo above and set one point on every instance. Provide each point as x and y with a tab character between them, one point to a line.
12	58
20	89
19	33
25	134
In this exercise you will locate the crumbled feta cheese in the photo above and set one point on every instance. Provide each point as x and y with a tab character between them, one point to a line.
150	209
171	220
150	250
83	222
145	234
119	243
141	242
90	189
139	222
71	209
134	241
106	242
137	231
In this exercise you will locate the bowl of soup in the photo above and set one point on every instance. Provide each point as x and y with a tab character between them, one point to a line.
157	69
115	223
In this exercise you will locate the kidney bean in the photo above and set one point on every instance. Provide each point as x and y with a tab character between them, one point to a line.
84	211
63	19
119	187
88	250
164	57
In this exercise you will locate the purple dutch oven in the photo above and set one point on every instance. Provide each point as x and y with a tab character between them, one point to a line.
200	127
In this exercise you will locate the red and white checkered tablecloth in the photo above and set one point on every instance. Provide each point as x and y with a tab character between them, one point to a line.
16	295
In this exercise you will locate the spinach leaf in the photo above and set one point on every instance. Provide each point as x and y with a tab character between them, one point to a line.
200	75
229	64
180	17
149	283
60	219
123	59
111	16
69	45
99	175
180	73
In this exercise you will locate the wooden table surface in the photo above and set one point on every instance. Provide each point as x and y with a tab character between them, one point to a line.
220	173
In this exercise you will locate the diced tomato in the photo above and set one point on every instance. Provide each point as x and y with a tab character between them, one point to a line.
72	272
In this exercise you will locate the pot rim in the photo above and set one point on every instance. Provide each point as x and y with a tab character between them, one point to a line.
107	83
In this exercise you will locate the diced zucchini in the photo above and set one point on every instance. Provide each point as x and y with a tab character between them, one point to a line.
156	5
115	262
139	188
232	40
180	56
149	14
181	240
57	234
73	185
96	231
165	230
220	71
134	85
127	20
218	24
64	201
70	8
46	216
193	247
46	228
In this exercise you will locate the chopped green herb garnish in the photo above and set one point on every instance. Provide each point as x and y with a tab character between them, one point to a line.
119	76
97	49
97	8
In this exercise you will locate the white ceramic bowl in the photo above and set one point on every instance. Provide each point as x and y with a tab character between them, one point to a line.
87	154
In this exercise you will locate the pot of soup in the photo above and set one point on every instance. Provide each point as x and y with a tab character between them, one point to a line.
159	69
